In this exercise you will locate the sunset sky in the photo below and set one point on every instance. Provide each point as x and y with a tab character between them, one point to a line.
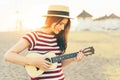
32	10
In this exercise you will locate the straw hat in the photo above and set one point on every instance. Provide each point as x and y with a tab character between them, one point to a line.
58	11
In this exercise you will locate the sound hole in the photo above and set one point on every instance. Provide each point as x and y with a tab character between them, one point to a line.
37	68
47	59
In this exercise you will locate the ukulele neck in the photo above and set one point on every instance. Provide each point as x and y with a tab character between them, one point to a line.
63	57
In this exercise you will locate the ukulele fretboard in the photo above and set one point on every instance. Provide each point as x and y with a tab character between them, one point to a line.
63	57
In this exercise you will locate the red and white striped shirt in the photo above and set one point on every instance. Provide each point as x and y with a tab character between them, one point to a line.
42	43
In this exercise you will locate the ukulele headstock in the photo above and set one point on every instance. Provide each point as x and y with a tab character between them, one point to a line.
88	51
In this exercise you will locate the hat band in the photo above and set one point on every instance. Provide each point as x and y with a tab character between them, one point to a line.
58	13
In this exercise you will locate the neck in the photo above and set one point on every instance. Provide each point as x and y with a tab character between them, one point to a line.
63	57
46	30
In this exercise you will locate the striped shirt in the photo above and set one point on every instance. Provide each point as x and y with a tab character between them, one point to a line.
42	43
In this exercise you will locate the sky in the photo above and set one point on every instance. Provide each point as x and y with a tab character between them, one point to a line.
32	10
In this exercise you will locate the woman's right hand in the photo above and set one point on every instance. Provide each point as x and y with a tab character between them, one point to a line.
40	62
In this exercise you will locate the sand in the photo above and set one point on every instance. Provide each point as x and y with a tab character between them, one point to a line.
103	65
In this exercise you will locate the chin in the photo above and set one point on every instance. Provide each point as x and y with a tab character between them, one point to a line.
57	32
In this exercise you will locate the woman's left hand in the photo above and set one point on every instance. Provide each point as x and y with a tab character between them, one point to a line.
79	57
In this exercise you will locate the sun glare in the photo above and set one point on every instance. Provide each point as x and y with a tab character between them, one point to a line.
30	18
27	14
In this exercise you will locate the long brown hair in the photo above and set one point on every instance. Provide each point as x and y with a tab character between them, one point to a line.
63	35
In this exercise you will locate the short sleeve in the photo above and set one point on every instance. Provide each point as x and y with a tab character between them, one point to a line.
31	38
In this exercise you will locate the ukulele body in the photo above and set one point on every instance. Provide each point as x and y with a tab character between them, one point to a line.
34	71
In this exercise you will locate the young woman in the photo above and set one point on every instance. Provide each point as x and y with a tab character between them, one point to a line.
51	37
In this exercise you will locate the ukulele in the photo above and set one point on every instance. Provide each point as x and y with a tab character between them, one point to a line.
51	57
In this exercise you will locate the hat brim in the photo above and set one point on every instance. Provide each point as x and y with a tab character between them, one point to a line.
58	16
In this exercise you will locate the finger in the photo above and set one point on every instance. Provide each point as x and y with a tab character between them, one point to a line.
43	68
80	56
81	53
80	50
46	67
47	62
76	59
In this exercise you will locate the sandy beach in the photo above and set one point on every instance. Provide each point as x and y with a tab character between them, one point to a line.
103	65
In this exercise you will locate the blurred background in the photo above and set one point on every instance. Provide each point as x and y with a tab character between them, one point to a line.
88	15
96	23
